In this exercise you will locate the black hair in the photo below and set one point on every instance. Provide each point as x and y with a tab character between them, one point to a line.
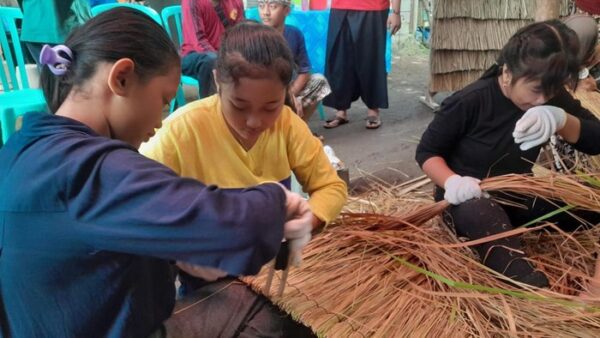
544	51
115	34
251	49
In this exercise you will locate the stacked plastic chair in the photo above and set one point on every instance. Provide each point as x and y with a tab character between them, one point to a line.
146	10
174	13
16	98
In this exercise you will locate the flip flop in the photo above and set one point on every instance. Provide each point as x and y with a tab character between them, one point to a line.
373	122
335	122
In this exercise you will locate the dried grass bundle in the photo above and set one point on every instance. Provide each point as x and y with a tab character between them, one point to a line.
372	275
570	189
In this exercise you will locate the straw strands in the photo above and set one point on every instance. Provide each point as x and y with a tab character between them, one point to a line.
371	274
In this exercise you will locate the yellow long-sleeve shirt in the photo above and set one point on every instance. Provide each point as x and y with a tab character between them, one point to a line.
197	143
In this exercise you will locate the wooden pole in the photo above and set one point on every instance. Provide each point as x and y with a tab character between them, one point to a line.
411	24
547	9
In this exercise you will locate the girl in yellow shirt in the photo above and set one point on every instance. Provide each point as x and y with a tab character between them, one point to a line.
245	135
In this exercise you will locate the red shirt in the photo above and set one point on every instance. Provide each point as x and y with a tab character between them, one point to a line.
202	28
361	5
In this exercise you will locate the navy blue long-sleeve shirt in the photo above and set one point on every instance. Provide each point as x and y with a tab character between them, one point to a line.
88	227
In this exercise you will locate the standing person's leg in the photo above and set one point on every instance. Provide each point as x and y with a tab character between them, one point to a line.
200	66
480	218
369	32
339	67
229	308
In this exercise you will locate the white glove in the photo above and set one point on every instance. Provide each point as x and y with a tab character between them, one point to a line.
297	231
537	125
207	273
461	188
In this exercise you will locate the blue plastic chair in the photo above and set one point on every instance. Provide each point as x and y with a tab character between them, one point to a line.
174	12
156	17
146	10
16	98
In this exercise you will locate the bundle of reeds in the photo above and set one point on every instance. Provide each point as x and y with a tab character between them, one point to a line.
372	274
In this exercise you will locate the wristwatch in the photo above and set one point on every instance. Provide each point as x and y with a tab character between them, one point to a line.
397	12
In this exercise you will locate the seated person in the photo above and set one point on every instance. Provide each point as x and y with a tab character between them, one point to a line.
245	134
586	29
87	242
497	126
204	22
307	90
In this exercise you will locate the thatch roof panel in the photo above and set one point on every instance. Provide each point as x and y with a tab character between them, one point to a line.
448	61
489	9
454	81
471	34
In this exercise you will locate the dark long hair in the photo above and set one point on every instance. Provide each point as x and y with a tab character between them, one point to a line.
113	35
544	51
250	49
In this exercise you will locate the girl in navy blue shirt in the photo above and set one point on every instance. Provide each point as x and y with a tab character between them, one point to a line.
88	226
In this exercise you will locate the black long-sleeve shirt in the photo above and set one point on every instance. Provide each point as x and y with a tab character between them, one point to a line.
473	132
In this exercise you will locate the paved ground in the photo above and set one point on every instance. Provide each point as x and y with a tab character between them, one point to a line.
387	152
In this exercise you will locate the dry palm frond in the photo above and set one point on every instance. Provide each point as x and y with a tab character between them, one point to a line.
570	189
371	274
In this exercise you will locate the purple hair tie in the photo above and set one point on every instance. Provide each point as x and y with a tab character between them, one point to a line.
51	57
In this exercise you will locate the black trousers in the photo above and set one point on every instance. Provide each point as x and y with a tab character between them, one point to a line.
355	59
200	66
479	218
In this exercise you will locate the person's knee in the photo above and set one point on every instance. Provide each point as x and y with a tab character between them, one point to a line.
478	218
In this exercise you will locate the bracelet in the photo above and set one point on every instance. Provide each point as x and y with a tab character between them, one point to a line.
397	12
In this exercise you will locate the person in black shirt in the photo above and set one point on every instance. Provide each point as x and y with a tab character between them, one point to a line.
497	125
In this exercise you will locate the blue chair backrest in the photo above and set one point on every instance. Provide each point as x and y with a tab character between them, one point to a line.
12	52
175	13
315	25
147	10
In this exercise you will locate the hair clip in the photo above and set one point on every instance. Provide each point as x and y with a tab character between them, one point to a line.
51	57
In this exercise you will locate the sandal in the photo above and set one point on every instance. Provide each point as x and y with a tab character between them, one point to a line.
335	122
373	122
